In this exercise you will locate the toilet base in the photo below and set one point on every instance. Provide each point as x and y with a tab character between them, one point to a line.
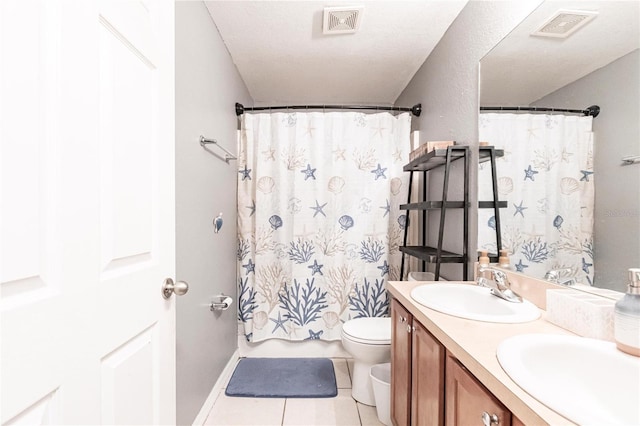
361	388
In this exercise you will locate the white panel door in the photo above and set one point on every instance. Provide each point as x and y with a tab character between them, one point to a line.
87	140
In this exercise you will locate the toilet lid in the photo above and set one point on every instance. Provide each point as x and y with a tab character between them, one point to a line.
375	331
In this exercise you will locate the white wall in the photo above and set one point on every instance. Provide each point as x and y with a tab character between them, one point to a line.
447	85
207	87
616	89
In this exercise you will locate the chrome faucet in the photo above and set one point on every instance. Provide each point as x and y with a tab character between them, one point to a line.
558	276
498	283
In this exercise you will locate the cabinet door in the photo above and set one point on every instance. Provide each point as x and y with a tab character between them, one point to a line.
427	378
400	364
467	400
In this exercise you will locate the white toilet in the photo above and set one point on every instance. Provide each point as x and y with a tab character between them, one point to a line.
368	340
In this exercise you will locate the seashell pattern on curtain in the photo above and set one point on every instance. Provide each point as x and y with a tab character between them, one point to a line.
546	176
319	227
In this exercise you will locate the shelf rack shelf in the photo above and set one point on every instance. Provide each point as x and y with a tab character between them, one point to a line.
443	158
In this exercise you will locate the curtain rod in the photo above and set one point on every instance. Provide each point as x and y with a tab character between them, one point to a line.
593	110
415	110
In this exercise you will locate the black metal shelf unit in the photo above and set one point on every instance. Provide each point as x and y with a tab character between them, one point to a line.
432	160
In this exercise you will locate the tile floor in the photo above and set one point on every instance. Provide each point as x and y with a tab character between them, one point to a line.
341	410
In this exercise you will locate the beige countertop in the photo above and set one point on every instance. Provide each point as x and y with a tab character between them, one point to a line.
474	344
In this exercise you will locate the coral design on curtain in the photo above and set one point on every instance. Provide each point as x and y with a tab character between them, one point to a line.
546	177
319	227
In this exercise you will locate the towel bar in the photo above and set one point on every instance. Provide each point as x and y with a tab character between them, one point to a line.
228	155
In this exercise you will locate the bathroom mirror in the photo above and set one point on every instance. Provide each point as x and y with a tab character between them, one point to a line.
598	64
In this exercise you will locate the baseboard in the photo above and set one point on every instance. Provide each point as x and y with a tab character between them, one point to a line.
217	387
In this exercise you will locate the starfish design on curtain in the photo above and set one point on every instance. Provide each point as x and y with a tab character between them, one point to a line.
386	209
379	171
384	268
250	266
566	155
252	207
304	234
314	336
520	209
378	130
279	323
308	172
338	154
269	154
318	209
315	268
585	175
529	173
520	266
246	173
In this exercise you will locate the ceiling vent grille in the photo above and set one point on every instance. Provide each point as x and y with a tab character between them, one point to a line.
341	20
564	23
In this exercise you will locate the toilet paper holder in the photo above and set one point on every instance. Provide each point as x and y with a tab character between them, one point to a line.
220	303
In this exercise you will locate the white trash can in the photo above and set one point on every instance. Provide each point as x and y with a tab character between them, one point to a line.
381	381
422	276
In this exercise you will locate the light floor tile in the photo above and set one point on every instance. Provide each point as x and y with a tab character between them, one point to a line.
368	415
246	411
343	380
339	411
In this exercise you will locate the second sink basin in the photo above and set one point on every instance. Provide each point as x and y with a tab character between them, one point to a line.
473	302
588	381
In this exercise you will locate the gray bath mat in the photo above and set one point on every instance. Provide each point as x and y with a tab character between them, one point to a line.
283	378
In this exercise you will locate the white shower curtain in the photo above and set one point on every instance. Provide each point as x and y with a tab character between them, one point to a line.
318	220
546	177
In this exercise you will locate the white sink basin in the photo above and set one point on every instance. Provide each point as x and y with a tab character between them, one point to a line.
587	381
473	302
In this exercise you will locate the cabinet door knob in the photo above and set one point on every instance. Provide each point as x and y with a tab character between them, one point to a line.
408	328
403	319
490	419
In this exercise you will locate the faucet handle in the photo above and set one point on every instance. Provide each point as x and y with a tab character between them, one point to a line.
500	276
554	275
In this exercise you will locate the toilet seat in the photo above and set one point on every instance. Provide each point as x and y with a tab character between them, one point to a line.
370	331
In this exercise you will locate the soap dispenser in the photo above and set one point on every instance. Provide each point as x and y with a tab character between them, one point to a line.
503	260
483	261
627	316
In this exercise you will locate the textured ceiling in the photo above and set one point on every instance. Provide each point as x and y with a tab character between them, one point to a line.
283	57
522	69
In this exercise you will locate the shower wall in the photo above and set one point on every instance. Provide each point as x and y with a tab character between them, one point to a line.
207	86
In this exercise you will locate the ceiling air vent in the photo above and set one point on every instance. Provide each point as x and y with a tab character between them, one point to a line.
341	20
564	23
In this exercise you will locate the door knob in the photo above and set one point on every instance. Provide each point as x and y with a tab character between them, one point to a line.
169	287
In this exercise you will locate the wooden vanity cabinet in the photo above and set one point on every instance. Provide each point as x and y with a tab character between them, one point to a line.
430	387
417	372
401	321
427	378
468	402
